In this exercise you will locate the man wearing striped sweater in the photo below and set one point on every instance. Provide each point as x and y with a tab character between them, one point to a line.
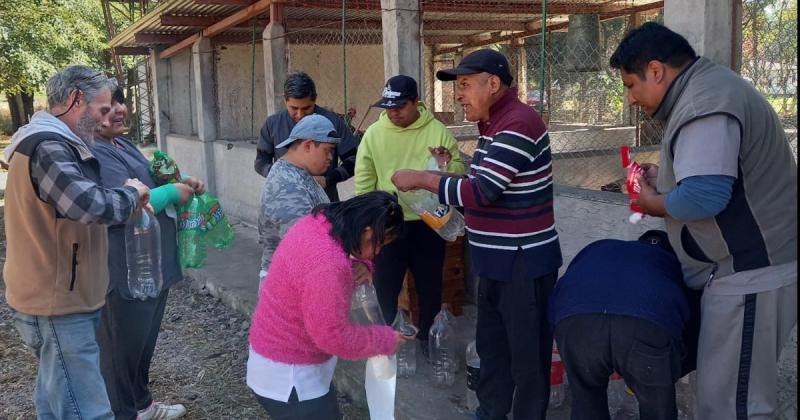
508	202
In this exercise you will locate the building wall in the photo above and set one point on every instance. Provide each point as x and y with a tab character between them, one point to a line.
236	88
181	95
238	185
364	76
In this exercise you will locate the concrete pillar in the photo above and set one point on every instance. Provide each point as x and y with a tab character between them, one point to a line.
629	112
206	106
712	27
401	38
459	110
276	62
161	90
521	76
204	80
426	89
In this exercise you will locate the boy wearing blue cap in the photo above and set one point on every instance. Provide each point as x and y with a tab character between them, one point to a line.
290	191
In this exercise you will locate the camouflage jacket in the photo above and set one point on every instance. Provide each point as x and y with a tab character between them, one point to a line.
289	193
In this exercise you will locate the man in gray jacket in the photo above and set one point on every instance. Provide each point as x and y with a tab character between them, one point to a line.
726	187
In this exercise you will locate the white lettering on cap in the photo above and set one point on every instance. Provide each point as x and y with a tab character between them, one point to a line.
389	93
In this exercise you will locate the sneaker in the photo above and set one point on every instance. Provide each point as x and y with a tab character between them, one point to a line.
161	411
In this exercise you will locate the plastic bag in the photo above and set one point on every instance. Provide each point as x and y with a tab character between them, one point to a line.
380	381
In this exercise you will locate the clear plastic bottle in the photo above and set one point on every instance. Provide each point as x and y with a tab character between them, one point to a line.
143	256
558	386
445	220
622	404
473	374
407	352
442	349
364	307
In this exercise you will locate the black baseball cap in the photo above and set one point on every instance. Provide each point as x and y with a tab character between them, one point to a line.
488	61
397	91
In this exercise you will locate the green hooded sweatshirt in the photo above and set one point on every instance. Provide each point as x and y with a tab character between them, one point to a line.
386	148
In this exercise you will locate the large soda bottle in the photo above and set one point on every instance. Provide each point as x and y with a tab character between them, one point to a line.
407	353
143	254
622	404
558	386
219	232
442	348
473	374
191	235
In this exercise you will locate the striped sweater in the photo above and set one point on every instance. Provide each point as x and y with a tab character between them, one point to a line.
508	194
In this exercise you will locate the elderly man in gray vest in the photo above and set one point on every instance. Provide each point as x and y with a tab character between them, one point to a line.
56	214
726	187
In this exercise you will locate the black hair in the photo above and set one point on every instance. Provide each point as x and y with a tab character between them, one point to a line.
378	210
299	85
658	238
118	95
651	41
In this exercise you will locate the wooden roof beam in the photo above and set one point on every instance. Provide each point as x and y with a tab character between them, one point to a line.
551	27
131	50
157	38
255	9
202	21
226	2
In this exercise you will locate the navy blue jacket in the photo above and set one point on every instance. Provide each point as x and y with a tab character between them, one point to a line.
630	278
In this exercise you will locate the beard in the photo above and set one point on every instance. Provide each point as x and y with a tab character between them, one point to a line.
86	128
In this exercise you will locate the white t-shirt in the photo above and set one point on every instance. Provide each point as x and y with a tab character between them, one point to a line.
275	380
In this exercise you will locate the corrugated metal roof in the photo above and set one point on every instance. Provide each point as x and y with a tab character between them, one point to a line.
326	12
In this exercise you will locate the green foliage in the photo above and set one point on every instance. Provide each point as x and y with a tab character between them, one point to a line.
38	37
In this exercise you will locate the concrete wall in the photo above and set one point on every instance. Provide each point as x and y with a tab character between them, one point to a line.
235	91
188	152
364	75
181	94
238	185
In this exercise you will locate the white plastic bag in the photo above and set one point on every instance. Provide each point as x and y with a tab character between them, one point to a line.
380	383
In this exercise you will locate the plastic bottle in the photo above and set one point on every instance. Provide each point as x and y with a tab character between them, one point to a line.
473	374
631	184
364	307
407	353
558	387
442	349
219	232
143	254
191	235
622	404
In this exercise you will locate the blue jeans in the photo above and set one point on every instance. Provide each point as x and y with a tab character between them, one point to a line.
69	384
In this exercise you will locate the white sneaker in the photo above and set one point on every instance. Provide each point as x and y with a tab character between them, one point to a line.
161	411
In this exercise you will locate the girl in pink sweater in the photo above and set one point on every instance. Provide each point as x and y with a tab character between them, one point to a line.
300	324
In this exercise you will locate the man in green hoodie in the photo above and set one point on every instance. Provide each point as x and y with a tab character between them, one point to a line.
406	136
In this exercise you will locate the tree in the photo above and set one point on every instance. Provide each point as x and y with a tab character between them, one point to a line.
38	37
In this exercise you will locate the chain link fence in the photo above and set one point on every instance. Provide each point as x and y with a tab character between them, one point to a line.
342	50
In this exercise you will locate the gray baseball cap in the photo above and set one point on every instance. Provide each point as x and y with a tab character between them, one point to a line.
312	127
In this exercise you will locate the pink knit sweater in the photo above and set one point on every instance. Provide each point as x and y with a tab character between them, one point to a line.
303	306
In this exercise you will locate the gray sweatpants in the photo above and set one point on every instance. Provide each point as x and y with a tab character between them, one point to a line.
741	337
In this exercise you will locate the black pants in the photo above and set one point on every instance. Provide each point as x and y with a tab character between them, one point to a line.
323	408
593	346
422	251
515	345
127	338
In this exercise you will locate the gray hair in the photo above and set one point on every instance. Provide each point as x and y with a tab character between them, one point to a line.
299	85
82	78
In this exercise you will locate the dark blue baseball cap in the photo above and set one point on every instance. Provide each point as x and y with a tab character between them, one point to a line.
397	91
481	61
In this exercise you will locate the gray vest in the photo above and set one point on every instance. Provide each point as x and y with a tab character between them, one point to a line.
758	227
